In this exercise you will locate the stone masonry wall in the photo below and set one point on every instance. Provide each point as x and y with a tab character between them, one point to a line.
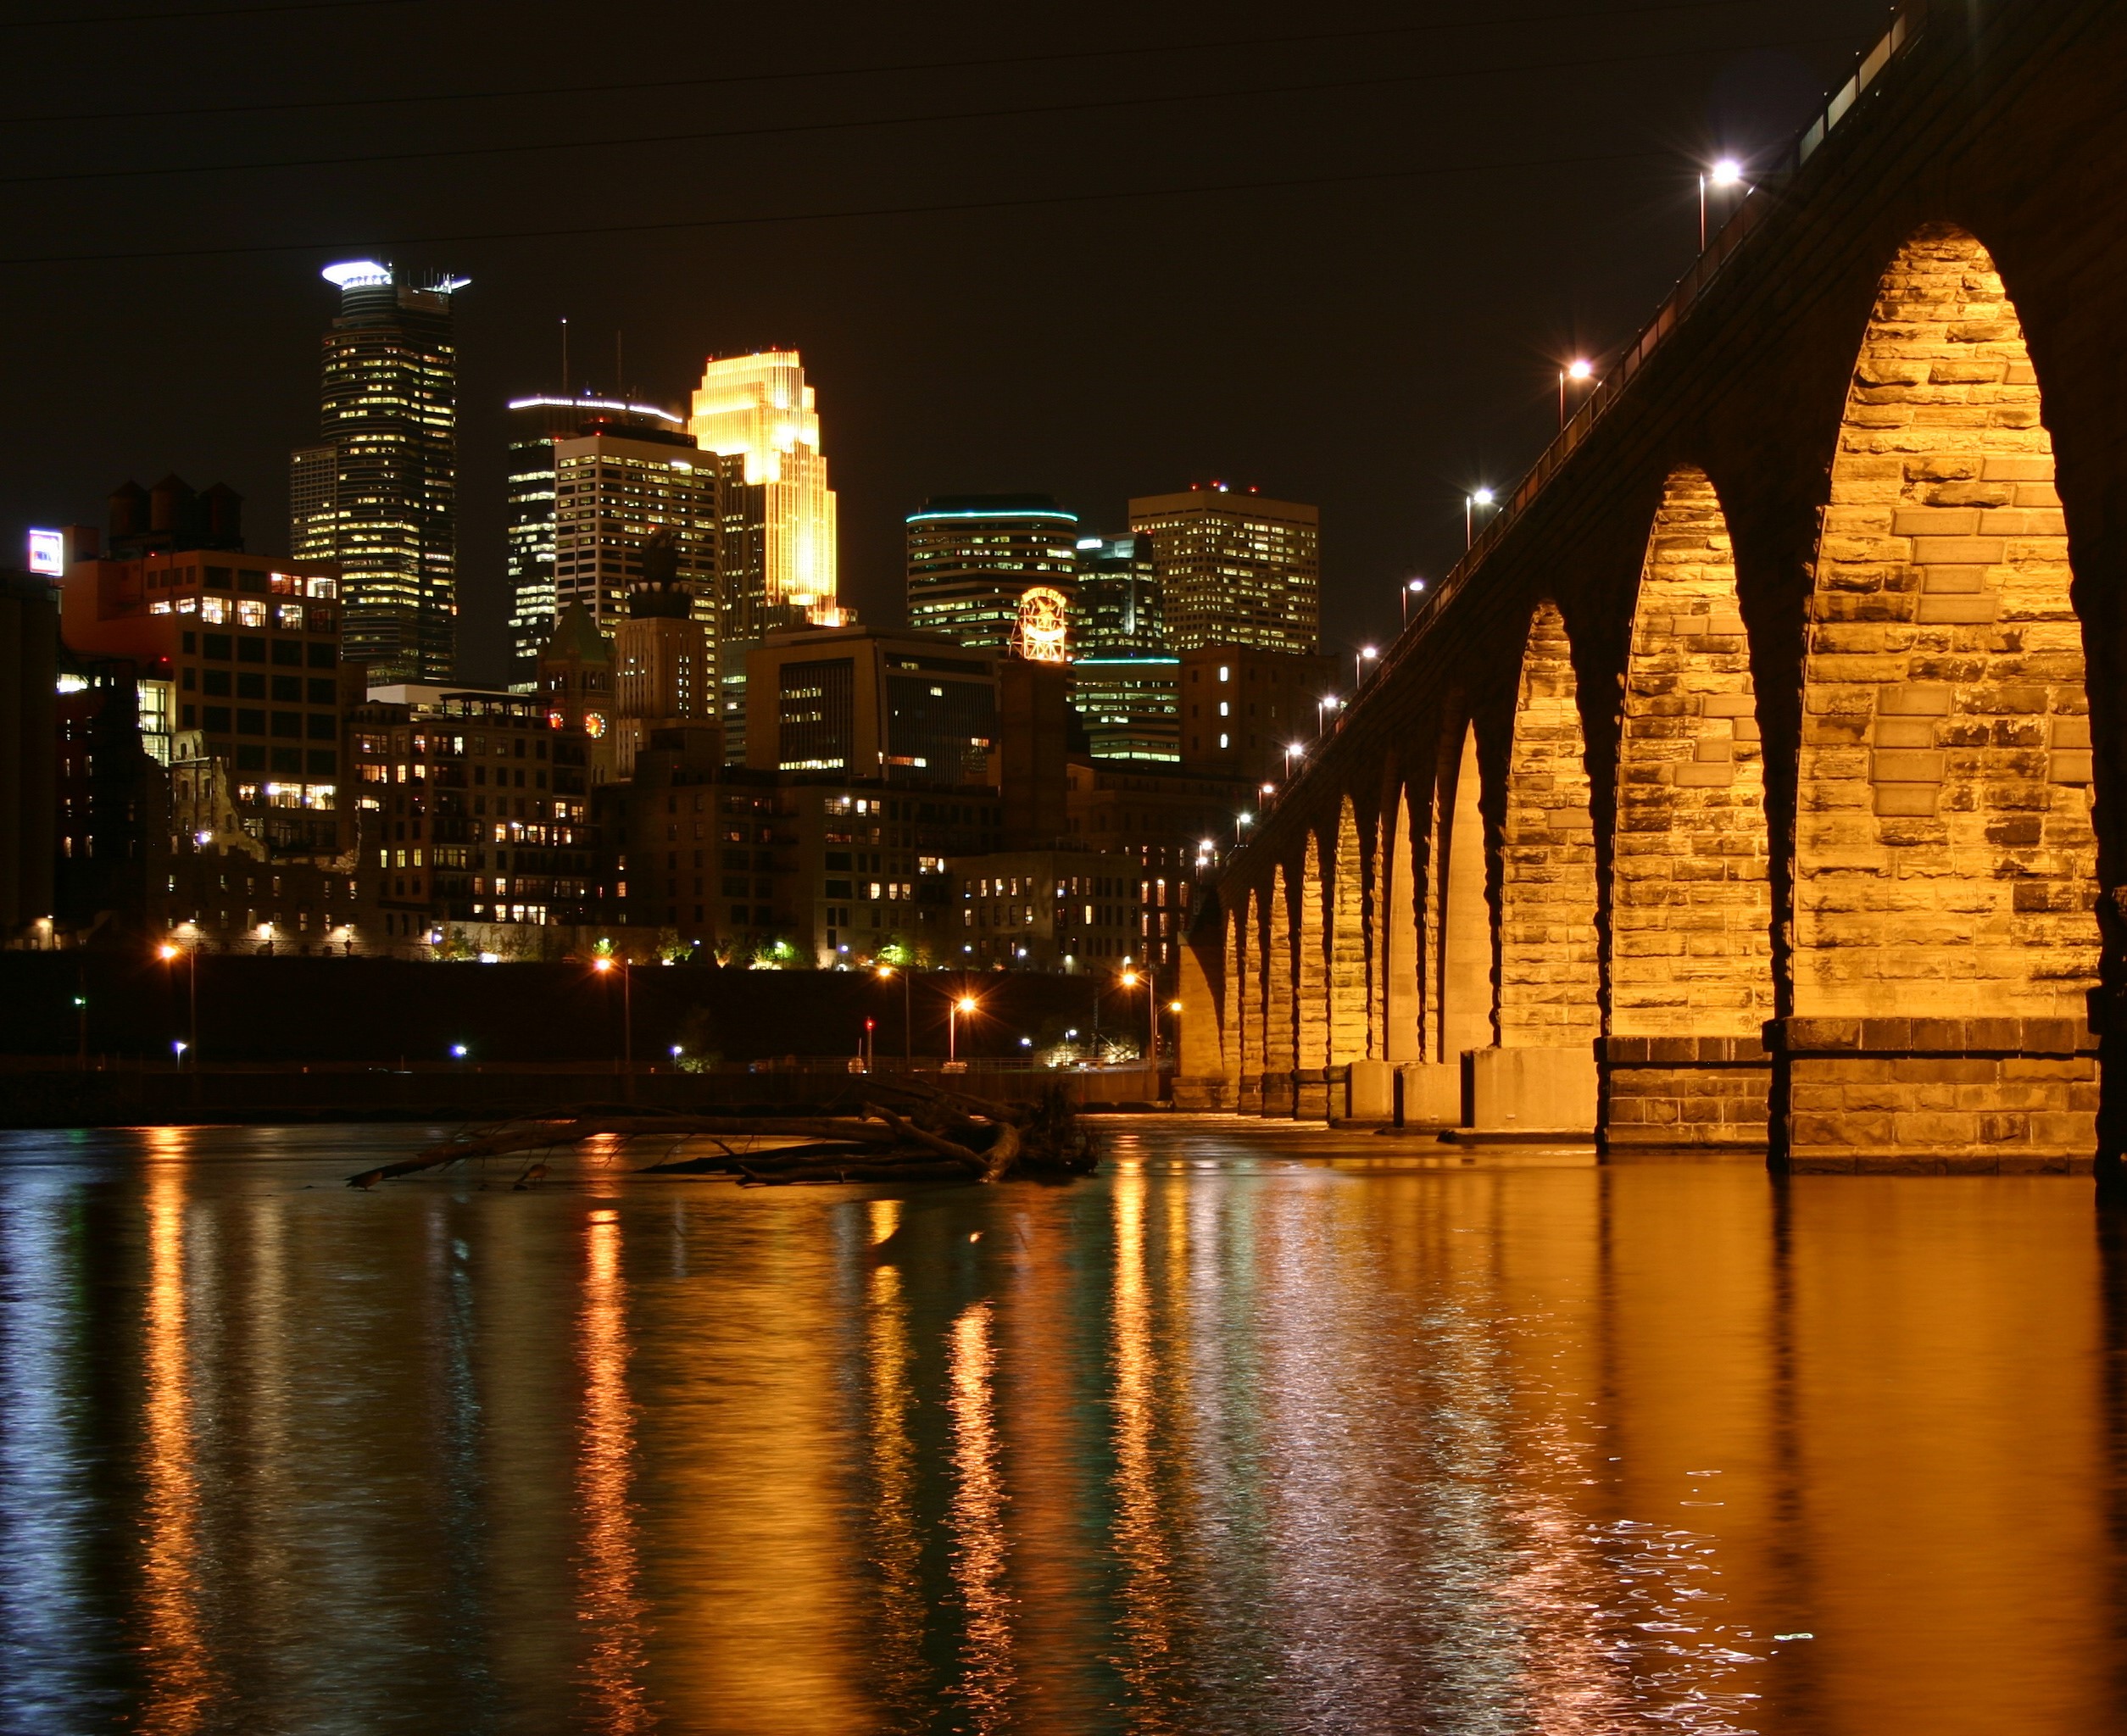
1548	964
1945	859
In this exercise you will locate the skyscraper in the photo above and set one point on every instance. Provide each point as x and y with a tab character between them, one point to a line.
665	655
971	558
1235	568
1123	678
777	565
590	480
377	492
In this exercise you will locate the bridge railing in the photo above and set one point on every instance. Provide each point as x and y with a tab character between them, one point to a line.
1723	246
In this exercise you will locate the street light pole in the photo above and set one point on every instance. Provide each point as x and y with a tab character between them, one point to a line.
627	1027
1411	590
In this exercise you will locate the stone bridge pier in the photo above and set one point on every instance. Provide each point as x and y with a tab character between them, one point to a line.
1754	783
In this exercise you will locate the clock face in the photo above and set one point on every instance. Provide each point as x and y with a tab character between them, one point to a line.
594	724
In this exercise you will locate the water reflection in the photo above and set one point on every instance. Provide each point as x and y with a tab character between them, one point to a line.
977	1521
1221	1441
610	1604
179	1677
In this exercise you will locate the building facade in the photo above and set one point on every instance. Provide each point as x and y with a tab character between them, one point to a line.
904	707
665	658
387	515
1235	568
1250	714
972	558
473	813
242	693
1053	909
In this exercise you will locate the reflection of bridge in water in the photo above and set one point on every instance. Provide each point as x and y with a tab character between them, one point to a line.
1738	786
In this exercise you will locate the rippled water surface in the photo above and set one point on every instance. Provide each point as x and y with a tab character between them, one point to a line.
1257	1431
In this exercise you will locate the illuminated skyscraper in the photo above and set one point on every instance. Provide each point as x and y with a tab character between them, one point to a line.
377	492
971	558
777	565
1235	568
591	481
1123	678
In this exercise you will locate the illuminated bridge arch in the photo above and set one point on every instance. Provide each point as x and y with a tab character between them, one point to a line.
1945	861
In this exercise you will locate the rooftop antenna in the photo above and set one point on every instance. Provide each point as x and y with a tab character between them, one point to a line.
564	355
619	371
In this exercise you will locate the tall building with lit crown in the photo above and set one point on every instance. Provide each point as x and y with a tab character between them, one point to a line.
591	480
777	564
377	491
971	558
1235	568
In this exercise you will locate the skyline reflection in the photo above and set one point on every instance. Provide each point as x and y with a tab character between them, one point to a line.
1217	1441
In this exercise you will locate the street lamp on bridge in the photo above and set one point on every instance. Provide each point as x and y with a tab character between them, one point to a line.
1721	176
1475	498
1415	588
1580	370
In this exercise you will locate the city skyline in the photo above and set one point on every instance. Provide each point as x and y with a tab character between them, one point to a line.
1187	349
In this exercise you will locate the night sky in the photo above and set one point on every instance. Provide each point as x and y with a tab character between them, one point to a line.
1126	302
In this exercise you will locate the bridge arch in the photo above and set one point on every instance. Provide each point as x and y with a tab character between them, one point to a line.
1690	905
1459	910
1280	1003
1346	940
1548	970
1944	858
1398	933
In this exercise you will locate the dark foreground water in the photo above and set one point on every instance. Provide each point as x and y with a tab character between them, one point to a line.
1243	1436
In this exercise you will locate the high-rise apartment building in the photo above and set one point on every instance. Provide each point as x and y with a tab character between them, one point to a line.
777	563
1235	568
630	471
377	492
1123	675
973	557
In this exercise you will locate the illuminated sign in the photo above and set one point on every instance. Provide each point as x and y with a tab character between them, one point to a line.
1044	625
47	552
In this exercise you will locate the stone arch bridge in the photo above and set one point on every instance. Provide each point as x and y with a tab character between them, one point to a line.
1755	780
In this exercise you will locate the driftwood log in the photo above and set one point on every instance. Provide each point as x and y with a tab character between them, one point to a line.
934	1135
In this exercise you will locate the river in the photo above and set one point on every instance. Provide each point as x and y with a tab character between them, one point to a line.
1257	1431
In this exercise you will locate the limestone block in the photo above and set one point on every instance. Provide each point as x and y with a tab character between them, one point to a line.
1530	1089
1370	1092
1431	1095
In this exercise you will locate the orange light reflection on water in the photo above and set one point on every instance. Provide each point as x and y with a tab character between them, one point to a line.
179	1681
977	1522
609	1601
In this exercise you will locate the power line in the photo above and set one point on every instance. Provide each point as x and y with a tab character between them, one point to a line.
1505	165
1108	105
52	19
877	68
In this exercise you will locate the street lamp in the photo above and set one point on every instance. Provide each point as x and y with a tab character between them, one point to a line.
908	1050
1327	702
1471	501
167	952
458	1051
1721	176
1239	821
604	964
959	1008
1361	658
1580	370
1415	588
